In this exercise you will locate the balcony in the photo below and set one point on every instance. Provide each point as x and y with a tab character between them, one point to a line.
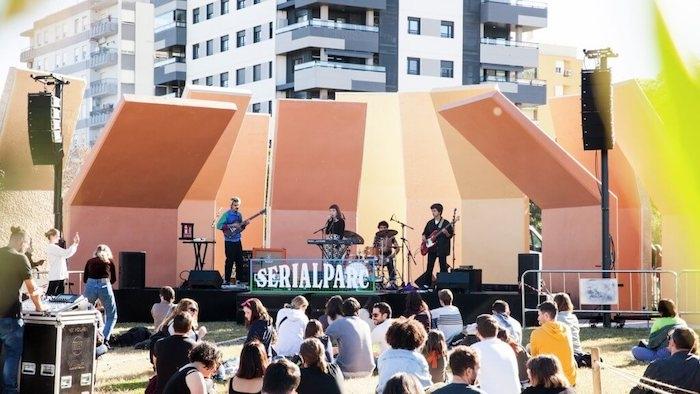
99	117
318	33
102	87
528	14
103	28
171	34
169	70
519	90
103	58
374	4
339	76
498	51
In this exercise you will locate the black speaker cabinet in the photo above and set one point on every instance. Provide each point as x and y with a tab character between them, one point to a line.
44	119
596	109
132	270
531	284
460	280
205	279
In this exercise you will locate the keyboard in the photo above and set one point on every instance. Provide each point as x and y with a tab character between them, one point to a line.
329	241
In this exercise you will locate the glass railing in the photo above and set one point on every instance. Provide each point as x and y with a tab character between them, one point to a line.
101	87
519	81
521	3
103	57
344	66
101	116
170	60
104	26
327	24
169	26
508	43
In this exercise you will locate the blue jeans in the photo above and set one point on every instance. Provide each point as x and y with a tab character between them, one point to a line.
645	354
11	335
101	289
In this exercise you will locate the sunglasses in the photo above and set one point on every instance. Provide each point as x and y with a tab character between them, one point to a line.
376	315
193	310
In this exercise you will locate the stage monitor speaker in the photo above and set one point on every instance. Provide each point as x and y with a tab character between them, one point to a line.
132	270
596	111
531	284
205	279
44	126
460	280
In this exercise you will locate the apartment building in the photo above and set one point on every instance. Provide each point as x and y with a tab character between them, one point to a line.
170	42
109	43
560	66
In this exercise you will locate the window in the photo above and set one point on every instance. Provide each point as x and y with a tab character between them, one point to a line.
413	66
256	107
302	15
195	81
256	72
195	51
256	1
270	32
447	29
256	33
413	25
240	4
210	80
75	55
84	52
269	69
210	10
558	90
559	67
224	7
210	47
240	76
269	107
446	68
224	43
76	25
195	15
240	38
180	16
84	23
223	80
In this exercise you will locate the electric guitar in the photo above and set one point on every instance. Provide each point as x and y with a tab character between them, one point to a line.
430	242
236	228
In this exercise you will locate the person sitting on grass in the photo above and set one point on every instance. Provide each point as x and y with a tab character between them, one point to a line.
681	369
499	367
172	353
317	375
520	355
333	311
251	369
554	338
403	383
406	337
259	324
546	376
160	310
205	359
281	377
186	305
656	347
435	353
501	311
354	340
417	309
464	364
566	316
290	325
447	318
314	329
381	317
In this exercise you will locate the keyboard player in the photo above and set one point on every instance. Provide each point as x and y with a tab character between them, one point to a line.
335	227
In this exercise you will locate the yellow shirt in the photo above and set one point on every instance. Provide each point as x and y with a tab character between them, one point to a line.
553	338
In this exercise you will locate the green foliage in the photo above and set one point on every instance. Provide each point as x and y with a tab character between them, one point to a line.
535	216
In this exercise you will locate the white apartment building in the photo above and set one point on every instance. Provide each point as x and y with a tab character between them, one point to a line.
109	43
231	43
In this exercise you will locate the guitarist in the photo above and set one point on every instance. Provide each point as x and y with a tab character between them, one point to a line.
232	223
442	244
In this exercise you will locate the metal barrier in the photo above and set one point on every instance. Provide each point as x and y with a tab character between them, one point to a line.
567	281
80	280
689	283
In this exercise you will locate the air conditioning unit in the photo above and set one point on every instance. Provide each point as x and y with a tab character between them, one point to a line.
567	73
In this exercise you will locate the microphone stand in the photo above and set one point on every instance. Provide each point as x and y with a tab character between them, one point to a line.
454	241
404	244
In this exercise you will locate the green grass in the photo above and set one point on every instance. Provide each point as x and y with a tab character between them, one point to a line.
128	370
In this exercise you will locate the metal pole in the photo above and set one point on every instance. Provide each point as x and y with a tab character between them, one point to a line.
605	212
58	170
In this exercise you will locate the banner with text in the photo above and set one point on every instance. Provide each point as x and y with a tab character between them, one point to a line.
312	275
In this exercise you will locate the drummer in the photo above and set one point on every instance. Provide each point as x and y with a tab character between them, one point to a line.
387	246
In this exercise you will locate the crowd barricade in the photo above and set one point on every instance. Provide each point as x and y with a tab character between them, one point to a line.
75	286
689	289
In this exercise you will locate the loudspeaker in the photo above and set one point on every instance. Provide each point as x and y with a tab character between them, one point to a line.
205	279
531	283
44	126
461	280
423	281
132	270
596	111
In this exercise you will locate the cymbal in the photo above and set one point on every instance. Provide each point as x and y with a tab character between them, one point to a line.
354	237
387	233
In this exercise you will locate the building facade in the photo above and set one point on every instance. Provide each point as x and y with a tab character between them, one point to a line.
170	41
109	43
561	68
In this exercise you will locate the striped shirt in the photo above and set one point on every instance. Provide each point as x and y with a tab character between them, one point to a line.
448	320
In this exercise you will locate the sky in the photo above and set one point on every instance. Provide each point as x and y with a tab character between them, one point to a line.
624	25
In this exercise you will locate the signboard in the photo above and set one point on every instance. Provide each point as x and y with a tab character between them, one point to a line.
597	291
312	275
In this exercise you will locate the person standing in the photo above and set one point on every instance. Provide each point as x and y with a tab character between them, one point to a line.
56	256
232	224
15	270
442	242
99	275
335	229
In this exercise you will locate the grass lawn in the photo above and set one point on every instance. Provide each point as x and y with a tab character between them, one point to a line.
127	370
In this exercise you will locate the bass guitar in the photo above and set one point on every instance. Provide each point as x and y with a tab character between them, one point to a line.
236	228
430	242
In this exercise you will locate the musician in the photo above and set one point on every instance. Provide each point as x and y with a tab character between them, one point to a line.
387	248
442	244
232	223
336	222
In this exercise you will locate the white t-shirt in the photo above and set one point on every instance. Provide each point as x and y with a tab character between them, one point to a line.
56	257
499	367
365	317
379	335
447	319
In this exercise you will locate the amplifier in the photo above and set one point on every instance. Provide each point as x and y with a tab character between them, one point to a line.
460	280
205	279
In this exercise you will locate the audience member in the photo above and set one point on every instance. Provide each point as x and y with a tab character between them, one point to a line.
333	311
290	325
281	377
546	376
566	316
162	309
259	324
354	340
365	313
251	369
172	353
204	362
381	317
681	369
406	337
314	329
464	364
403	383
657	345
317	375
447	318
552	337
499	367
520	355
56	257
501	311
418	309
186	305
99	275
435	353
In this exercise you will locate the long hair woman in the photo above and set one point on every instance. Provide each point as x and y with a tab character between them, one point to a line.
99	275
333	311
56	257
186	305
546	376
205	359
335	228
314	329
317	375
251	368
259	324
416	307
